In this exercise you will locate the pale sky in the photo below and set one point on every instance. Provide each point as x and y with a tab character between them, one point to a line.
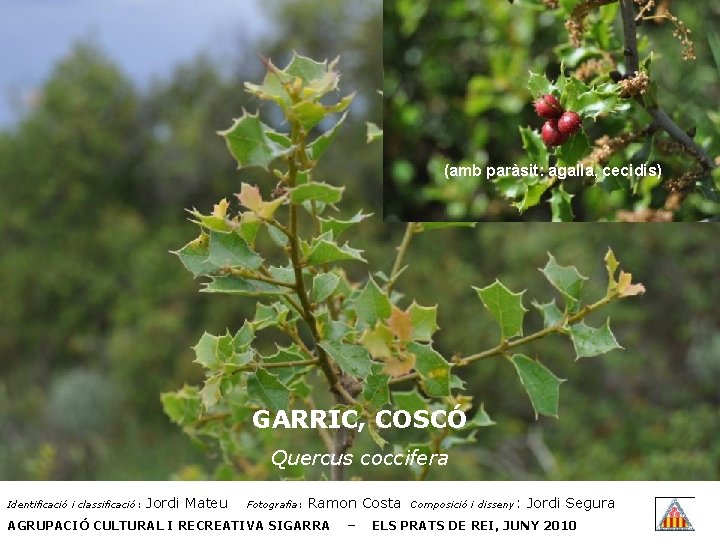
147	38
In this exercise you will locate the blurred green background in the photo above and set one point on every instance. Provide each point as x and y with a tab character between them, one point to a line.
98	318
455	90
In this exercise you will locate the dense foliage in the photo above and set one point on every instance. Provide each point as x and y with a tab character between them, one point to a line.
461	79
363	340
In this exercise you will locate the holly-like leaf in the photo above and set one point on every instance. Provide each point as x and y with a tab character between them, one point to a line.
250	197
481	419
267	389
267	316
531	196
572	151
184	407
506	306
194	256
318	146
318	77
282	355
250	143
231	250
352	359
560	205
433	369
324	250
307	113
565	279
399	364
316	191
378	341
212	222
372	304
400	323
612	264
552	316
626	287
535	147
375	389
211	351
243	287
337	226
323	286
210	393
243	338
539	85
410	401
423	321
541	385
589	341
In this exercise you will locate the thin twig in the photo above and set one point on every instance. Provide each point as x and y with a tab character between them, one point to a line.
275	365
410	229
307	311
505	346
660	117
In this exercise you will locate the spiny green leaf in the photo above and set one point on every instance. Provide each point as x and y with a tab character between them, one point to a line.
409	401
210	393
539	85
326	250
267	316
532	196
565	279
378	341
591	342
308	113
286	354
211	222
352	359
318	146
211	351
249	143
243	338
540	383
243	287
372	304
375	389
433	369
323	286
424	322
560	204
481	419
535	147
337	226
231	250
316	191
506	306
266	388
576	147
182	407
309	70
552	315
612	264
194	256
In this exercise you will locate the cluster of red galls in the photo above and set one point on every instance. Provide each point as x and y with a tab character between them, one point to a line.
559	124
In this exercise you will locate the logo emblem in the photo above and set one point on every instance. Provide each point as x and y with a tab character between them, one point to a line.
674	518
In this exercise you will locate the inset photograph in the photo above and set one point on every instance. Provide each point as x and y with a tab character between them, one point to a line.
551	110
